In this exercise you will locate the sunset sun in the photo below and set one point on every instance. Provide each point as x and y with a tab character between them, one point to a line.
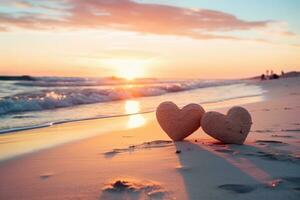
128	68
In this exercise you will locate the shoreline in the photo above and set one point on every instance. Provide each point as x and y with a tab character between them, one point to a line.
219	105
17	121
26	128
145	157
122	119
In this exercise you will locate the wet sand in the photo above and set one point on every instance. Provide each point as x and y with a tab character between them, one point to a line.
143	163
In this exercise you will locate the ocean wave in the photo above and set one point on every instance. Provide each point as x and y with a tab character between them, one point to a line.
113	81
78	81
71	96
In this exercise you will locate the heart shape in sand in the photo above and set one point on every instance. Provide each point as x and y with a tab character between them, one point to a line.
179	123
231	128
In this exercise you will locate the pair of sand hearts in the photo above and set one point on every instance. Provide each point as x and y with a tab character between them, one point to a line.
179	123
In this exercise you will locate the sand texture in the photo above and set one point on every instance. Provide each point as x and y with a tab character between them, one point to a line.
144	163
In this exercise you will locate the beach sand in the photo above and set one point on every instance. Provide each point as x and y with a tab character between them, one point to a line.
132	158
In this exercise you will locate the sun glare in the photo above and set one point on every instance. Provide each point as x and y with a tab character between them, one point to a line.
129	68
133	107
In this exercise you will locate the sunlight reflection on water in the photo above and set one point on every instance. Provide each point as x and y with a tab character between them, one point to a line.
135	120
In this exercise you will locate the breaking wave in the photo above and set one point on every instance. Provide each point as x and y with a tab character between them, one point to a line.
69	92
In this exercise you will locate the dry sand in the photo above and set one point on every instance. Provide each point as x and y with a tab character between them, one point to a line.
142	163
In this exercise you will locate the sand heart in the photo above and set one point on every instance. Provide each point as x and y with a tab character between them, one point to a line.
179	123
231	128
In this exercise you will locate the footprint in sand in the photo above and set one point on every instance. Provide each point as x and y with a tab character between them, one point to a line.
290	130
277	156
292	183
270	143
46	176
237	188
296	188
282	136
227	151
296	123
122	189
294	180
263	131
145	145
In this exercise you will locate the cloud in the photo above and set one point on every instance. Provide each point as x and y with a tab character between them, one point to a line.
27	20
22	4
132	16
3	28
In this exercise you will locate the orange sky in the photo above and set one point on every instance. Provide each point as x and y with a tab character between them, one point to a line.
154	40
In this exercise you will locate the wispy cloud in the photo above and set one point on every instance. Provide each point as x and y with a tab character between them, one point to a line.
2	28
131	16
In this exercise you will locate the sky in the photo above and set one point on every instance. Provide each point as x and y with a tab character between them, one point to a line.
149	38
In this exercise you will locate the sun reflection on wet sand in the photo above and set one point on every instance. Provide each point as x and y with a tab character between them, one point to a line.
134	120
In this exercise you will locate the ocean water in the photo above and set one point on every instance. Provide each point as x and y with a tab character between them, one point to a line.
44	101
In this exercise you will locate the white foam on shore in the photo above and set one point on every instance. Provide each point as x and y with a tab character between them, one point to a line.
21	110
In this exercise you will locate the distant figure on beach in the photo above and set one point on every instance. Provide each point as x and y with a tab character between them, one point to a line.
282	73
270	75
274	76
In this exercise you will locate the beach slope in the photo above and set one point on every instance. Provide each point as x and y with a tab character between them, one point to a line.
137	160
